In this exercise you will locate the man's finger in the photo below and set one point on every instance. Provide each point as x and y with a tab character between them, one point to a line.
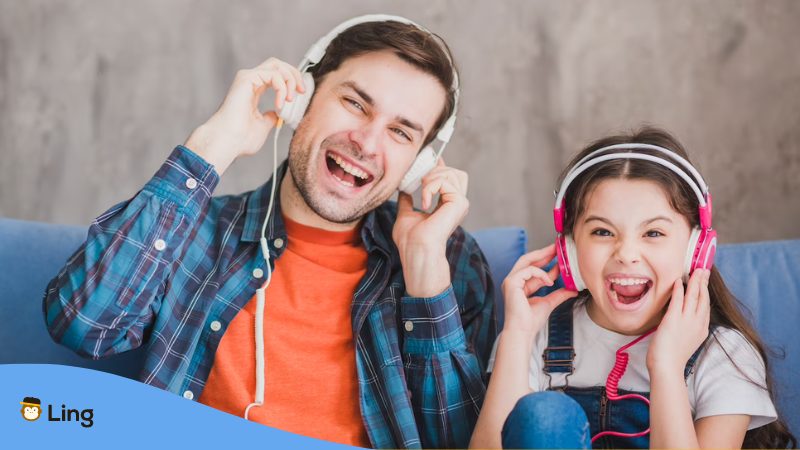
405	203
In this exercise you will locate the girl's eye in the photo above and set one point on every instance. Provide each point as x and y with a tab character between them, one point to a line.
601	232
402	134
654	234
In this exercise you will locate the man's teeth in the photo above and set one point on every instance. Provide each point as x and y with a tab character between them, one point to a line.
628	281
352	170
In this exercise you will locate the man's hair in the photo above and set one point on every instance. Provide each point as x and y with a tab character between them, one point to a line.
426	51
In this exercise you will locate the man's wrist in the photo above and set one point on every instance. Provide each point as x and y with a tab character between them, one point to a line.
425	270
202	144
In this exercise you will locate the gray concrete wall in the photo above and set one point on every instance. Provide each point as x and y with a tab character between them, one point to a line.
94	95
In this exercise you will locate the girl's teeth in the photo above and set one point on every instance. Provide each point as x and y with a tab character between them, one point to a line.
628	281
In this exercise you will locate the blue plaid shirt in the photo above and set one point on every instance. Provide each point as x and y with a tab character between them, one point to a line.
159	269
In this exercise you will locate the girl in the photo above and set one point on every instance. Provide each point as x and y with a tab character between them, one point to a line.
634	223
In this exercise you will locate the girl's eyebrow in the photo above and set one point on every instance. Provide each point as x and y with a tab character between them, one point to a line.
646	222
601	219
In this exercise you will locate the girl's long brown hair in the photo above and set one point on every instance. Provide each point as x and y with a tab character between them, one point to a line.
726	309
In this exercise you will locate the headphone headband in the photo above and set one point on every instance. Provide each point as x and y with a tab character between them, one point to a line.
633	146
317	51
701	190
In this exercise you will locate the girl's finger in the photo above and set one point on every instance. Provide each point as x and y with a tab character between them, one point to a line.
538	257
555	298
690	299
704	303
676	302
534	283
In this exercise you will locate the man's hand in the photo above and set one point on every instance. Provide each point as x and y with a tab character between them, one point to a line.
238	127
422	237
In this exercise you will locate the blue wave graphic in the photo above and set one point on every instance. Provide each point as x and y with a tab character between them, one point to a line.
124	414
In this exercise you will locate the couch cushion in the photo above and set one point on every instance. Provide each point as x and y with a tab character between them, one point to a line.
765	277
31	253
502	246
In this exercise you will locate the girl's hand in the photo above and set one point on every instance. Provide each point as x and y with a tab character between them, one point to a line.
684	326
526	314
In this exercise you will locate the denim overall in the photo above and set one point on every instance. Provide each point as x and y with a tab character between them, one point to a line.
626	416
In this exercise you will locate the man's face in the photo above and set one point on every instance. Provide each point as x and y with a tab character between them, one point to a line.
362	131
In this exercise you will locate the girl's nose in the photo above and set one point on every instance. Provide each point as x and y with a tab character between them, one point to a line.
627	252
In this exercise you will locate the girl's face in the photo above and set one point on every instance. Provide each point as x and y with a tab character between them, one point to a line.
631	247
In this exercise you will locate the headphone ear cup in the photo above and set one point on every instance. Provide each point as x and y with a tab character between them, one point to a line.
703	251
292	112
422	165
564	268
691	253
572	263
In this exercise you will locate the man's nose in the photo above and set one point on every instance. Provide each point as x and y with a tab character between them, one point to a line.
368	137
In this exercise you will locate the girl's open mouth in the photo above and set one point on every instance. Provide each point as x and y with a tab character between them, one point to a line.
627	291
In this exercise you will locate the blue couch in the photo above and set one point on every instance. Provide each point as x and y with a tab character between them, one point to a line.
764	275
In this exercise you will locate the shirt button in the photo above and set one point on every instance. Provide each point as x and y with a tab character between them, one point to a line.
409	325
159	244
215	325
188	395
258	273
278	243
191	183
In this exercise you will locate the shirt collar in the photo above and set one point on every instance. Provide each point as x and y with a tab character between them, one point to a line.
374	229
257	205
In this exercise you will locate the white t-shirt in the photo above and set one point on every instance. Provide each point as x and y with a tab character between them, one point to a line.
715	386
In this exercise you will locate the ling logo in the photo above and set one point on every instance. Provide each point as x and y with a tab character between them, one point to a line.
31	408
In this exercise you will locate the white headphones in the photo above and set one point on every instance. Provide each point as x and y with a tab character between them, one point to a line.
293	112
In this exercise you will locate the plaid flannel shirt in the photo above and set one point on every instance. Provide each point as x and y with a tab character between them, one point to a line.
159	269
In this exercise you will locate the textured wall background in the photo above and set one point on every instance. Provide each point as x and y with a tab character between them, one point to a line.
94	95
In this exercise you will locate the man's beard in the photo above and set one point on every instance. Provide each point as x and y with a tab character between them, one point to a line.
303	170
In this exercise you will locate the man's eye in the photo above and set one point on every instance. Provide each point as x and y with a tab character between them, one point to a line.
601	232
654	234
355	104
402	134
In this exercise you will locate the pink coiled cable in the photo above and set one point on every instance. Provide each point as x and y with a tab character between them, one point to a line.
612	383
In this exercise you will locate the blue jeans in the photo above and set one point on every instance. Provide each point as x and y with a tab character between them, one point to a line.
546	419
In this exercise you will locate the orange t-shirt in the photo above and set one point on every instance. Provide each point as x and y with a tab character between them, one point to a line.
311	384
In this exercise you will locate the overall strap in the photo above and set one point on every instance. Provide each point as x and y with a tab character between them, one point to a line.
689	368
560	353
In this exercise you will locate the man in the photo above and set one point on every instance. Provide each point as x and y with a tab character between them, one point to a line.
377	318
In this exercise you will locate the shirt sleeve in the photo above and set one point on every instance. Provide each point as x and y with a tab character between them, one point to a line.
446	342
730	379
106	296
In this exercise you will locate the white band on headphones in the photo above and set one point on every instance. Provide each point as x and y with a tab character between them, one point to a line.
635	146
292	112
580	168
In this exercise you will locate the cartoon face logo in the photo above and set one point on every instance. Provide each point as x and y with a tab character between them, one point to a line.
31	408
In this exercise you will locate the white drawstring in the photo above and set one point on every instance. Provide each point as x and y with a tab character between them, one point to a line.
260	352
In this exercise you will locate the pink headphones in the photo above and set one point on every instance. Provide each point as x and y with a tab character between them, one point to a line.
702	242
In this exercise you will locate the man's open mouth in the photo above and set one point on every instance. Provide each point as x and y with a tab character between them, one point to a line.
628	290
346	171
